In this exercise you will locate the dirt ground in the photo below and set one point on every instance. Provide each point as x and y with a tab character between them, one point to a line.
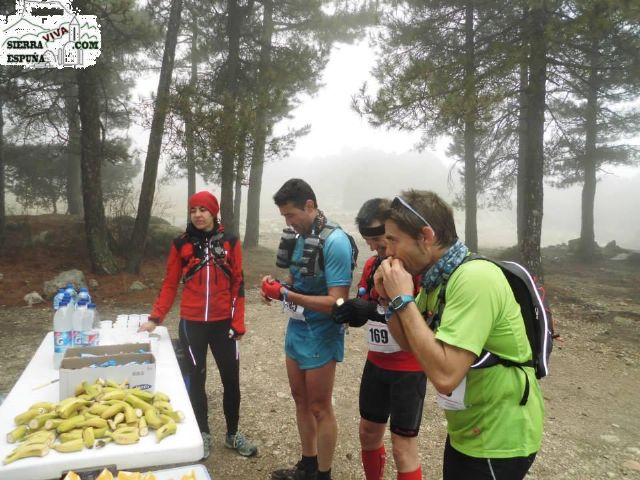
592	424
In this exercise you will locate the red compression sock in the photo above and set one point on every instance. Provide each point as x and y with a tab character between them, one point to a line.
415	475
373	462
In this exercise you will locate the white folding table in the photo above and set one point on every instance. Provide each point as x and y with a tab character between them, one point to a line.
185	446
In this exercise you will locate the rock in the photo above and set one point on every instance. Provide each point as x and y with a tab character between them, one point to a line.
632	465
137	286
41	237
76	277
33	298
158	221
621	257
609	438
612	248
93	284
634	450
160	237
282	395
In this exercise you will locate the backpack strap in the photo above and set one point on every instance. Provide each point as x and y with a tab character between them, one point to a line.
217	252
374	267
326	231
437	318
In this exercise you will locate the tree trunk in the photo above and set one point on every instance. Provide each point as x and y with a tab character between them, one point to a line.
95	224
534	159
74	186
229	122
147	191
252	227
237	196
3	220
470	175
522	151
188	120
587	230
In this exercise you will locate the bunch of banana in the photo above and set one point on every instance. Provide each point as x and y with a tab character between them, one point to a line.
99	413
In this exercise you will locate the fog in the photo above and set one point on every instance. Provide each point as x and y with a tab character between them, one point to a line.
347	161
343	181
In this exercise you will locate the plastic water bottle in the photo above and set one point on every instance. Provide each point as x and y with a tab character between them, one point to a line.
361	291
57	298
73	295
89	329
83	294
78	323
61	333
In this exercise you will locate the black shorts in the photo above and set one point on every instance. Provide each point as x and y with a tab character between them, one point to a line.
389	393
458	466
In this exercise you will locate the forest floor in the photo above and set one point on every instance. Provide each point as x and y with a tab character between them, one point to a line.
592	397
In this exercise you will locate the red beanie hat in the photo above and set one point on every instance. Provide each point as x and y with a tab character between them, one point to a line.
206	200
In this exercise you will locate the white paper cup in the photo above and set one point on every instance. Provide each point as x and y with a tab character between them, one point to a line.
106	324
134	321
155	345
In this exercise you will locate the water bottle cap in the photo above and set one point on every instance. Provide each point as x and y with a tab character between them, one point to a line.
82	302
69	285
64	303
61	290
83	289
91	305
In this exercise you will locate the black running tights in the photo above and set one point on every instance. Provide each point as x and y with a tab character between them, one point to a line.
195	337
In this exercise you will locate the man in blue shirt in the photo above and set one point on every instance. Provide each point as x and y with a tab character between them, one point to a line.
320	264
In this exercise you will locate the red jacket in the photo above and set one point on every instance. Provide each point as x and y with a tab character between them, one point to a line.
215	292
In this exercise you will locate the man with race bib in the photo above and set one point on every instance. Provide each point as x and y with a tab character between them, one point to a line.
494	430
393	383
320	259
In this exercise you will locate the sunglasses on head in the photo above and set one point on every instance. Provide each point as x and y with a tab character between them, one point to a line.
398	200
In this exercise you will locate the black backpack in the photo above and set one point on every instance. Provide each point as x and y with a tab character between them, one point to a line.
536	314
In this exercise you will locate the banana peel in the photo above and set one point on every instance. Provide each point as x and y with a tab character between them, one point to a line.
165	430
26	451
70	446
17	433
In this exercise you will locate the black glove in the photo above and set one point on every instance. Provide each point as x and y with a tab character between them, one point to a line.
356	312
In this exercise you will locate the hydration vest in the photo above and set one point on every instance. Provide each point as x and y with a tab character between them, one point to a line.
312	259
217	254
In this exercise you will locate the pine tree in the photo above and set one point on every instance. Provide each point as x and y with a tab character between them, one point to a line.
593	105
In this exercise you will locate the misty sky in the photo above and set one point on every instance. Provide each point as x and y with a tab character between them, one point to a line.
347	161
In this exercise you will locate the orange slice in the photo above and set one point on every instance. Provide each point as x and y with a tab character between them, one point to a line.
122	475
105	475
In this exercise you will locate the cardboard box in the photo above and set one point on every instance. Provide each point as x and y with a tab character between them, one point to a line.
108	349
128	359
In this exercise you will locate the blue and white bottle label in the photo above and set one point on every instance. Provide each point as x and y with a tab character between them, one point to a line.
61	341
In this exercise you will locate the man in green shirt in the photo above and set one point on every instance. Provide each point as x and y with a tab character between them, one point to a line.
490	434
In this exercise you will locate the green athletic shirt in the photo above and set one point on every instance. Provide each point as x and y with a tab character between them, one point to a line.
482	313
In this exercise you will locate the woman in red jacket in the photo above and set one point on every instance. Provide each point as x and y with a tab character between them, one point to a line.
209	263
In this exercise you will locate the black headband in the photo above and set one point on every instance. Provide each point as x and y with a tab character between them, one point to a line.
372	231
